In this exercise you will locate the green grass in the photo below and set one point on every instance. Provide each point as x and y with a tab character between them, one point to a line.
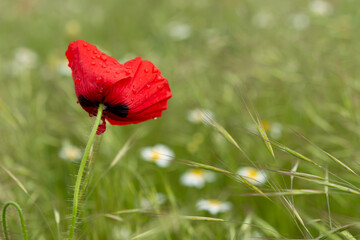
246	74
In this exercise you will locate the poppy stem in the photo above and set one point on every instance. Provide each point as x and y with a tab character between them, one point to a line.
18	208
81	171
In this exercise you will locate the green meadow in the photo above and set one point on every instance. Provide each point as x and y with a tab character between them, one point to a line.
264	114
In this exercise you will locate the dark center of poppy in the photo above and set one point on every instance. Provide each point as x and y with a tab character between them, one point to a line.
120	110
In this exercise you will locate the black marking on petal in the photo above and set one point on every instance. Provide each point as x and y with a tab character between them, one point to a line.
120	110
87	103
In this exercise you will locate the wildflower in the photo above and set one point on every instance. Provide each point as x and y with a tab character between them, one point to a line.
273	128
70	152
276	130
213	206
24	59
179	31
266	125
253	175
300	21
132	92
197	178
160	154
199	115
148	203
321	7
262	19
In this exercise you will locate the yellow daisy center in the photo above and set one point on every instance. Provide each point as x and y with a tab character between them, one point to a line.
253	173
266	125
155	156
72	153
198	172
215	202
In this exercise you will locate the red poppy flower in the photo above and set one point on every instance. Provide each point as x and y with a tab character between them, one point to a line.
132	92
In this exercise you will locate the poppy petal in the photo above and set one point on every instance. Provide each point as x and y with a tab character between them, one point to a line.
147	88
93	71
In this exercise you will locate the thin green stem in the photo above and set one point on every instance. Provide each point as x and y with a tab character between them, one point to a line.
81	171
87	175
18	208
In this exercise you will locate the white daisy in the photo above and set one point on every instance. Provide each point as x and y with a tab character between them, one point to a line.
276	130
24	59
300	21
160	154
262	19
70	152
199	115
179	31
321	7
197	178
148	203
253	175
213	206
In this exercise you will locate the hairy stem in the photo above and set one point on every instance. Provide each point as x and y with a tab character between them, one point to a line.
18	208
81	171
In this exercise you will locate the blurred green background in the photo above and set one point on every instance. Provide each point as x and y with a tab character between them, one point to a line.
295	64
